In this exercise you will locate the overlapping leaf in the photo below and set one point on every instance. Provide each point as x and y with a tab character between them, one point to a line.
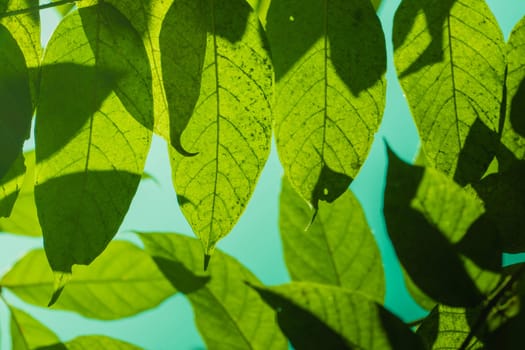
448	247
329	59
23	219
94	342
15	99
28	333
315	316
228	313
121	282
10	185
337	249
450	59
222	91
93	132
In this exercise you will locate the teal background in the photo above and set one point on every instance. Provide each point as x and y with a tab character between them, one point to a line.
255	240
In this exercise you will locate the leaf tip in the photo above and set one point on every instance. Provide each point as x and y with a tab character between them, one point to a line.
314	215
61	279
207	258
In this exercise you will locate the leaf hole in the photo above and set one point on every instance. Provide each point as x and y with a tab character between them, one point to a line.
291	18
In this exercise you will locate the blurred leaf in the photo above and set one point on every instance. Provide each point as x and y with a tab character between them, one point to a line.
23	219
376	3
315	316
93	342
228	313
338	248
119	283
15	99
329	59
220	95
450	58
96	75
28	333
10	186
513	133
448	248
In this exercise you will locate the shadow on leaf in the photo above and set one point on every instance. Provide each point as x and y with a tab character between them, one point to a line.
183	279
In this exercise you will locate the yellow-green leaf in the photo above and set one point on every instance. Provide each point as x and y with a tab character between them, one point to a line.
316	316
93	132
28	333
450	58
121	282
337	249
223	85
329	59
228	313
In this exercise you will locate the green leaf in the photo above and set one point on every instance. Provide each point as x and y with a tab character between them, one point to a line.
96	76
450	58
447	246
338	248
25	29
23	219
513	133
10	186
223	78
329	59
448	327
28	333
376	3
228	314
119	283
315	316
93	342
15	99
63	9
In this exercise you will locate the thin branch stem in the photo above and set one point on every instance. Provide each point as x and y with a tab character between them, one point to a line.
36	8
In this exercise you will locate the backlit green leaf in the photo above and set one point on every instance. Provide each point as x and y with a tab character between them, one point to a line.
513	135
119	283
338	248
63	9
28	333
223	76
93	342
315	316
329	59
450	58
25	28
15	99
23	219
446	245
95	76
10	185
228	313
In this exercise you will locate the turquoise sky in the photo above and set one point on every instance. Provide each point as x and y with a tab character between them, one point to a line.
255	239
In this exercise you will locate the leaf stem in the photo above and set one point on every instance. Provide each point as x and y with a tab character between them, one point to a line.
36	8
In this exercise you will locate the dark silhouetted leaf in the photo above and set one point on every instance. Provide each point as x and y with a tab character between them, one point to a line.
329	59
10	185
315	316
445	244
119	283
221	59
15	99
450	58
96	76
228	313
338	248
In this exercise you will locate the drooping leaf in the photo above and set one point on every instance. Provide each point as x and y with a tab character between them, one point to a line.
447	246
450	58
228	313
119	283
329	59
224	80
337	249
15	99
28	333
93	342
315	316
96	76
23	219
10	185
25	29
513	133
